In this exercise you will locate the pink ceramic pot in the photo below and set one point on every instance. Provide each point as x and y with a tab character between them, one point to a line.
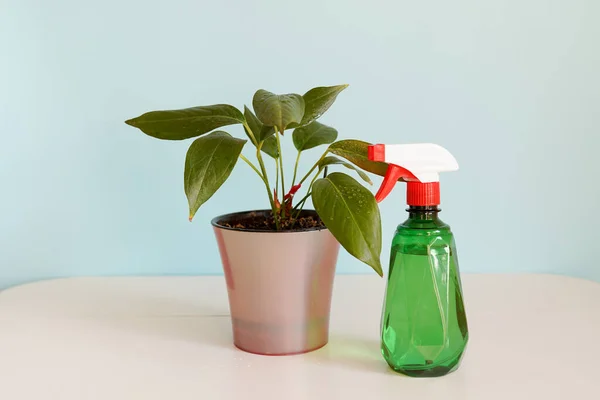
279	285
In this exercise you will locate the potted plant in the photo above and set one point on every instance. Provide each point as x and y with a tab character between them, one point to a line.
279	263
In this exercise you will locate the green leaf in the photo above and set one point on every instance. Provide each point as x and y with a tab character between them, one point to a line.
350	212
270	147
260	131
357	152
313	135
186	123
330	160
209	162
318	100
278	110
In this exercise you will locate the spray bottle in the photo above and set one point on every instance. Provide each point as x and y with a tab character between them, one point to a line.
423	326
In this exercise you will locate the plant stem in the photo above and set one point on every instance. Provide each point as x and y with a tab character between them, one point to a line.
314	179
252	166
280	161
296	168
309	191
264	175
251	134
277	174
266	180
300	205
313	167
302	200
280	166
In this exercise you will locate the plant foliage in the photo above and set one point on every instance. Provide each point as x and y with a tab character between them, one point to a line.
346	207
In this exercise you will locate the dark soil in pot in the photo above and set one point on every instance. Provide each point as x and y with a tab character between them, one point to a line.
263	221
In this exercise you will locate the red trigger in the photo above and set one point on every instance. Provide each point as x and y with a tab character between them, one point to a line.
394	172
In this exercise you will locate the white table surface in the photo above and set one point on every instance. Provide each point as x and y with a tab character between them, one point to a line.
169	338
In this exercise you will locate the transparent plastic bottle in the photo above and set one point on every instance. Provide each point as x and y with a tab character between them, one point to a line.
424	327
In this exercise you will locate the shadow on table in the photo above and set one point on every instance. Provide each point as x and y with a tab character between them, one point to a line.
353	353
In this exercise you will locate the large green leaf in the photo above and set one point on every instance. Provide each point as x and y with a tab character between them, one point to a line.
350	212
313	135
186	123
209	162
330	160
318	100
357	152
278	110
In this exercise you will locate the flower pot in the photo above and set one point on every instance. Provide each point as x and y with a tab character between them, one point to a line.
279	285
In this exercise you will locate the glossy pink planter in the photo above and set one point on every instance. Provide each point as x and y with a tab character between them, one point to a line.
279	286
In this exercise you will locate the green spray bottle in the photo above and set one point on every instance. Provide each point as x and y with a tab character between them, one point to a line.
423	327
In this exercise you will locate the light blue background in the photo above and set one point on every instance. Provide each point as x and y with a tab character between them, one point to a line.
511	88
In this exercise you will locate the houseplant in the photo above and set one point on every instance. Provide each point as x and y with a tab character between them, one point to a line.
279	263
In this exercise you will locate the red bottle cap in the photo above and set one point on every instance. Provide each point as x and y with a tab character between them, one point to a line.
422	194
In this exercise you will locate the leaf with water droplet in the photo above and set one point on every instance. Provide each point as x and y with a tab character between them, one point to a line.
358	229
330	160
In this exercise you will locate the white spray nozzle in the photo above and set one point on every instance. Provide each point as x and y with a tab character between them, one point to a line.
421	162
424	160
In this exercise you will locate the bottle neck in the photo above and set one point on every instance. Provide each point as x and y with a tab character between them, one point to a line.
423	213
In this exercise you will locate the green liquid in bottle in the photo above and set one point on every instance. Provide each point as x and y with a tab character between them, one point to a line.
424	326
